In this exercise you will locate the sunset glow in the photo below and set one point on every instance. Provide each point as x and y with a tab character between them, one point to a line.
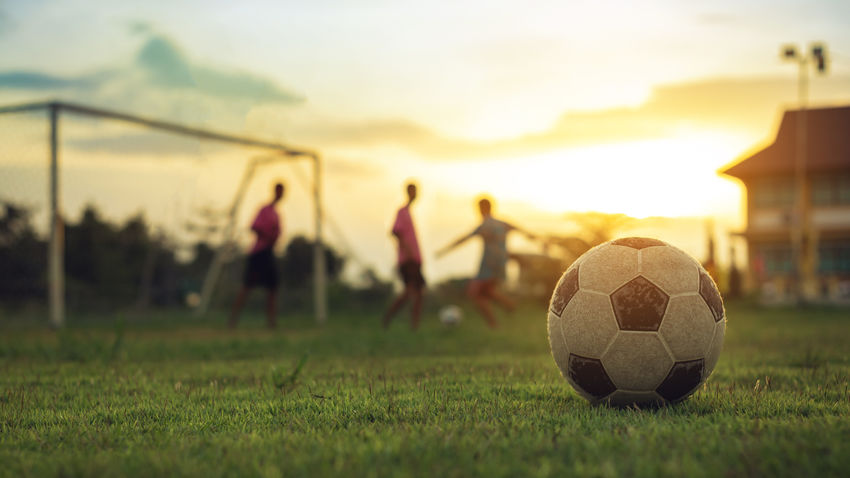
667	177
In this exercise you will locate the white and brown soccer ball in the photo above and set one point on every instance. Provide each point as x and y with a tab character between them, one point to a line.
636	321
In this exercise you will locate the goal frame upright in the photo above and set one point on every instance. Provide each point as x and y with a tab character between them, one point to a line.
56	240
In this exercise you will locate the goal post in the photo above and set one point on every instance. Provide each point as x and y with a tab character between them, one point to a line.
55	250
56	242
320	291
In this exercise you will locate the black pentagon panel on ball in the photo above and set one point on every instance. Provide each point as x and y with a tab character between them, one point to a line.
590	376
637	242
683	378
567	288
710	295
639	305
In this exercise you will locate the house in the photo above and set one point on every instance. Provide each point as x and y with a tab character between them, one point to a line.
810	262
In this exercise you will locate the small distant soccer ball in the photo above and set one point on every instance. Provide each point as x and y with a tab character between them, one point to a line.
193	299
451	315
636	321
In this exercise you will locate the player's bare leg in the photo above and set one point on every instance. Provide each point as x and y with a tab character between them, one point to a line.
478	294
271	309
504	301
394	307
237	307
416	310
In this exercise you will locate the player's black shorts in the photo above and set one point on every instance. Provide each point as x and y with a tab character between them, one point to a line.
260	271
411	274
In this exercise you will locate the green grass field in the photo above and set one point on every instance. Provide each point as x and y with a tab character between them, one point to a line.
173	396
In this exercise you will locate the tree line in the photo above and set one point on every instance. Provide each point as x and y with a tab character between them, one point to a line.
119	264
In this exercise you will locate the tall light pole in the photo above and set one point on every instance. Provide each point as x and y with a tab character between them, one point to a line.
801	222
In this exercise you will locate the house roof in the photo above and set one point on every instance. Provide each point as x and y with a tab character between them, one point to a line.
827	145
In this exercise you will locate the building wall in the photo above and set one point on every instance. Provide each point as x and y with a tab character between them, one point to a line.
826	249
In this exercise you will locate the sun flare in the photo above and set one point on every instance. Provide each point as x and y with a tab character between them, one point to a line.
662	177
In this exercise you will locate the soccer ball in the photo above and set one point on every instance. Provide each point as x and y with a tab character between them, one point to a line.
636	321
193	299
450	315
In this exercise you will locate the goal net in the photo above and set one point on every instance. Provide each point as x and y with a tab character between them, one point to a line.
103	210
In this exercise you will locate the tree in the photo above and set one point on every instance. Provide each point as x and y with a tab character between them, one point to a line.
297	263
594	228
22	254
110	265
598	227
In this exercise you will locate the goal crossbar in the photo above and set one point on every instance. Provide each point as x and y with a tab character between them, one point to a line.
55	268
175	128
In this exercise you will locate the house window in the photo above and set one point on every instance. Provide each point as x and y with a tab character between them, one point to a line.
776	258
831	190
773	192
834	257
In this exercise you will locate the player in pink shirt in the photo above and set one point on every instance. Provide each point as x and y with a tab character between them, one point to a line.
260	269
409	263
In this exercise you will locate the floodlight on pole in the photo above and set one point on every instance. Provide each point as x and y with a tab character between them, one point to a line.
800	219
789	51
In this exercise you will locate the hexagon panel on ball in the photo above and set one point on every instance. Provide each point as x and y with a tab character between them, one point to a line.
637	361
606	268
588	324
688	327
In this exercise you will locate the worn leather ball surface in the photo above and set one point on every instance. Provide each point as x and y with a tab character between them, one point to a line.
636	321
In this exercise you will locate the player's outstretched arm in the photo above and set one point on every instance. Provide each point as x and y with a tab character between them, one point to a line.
530	235
445	250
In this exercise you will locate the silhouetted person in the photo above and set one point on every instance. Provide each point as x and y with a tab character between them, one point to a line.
260	270
734	276
484	287
409	263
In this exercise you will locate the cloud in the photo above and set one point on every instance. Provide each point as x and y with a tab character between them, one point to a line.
144	143
140	27
165	64
159	67
354	168
736	105
160	81
27	80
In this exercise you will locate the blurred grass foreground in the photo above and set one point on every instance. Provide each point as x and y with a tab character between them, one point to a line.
169	395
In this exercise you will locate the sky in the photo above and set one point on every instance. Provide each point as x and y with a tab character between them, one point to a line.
550	107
